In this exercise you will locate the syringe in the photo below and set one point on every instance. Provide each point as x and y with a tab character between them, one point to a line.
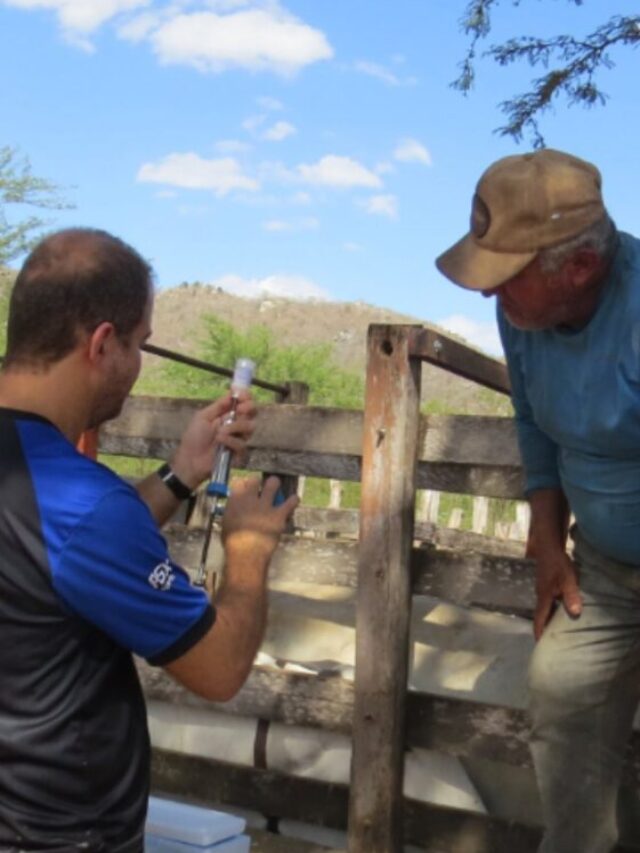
218	488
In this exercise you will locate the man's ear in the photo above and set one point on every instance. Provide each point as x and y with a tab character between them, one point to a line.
99	342
583	266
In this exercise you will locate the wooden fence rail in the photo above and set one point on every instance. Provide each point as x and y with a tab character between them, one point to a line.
456	453
387	553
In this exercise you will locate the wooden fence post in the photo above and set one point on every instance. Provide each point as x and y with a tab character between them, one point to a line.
383	608
336	490
432	508
480	515
523	520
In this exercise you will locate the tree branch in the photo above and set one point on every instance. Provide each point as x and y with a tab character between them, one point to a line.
577	63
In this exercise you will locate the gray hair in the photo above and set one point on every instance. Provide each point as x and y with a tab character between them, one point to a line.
602	237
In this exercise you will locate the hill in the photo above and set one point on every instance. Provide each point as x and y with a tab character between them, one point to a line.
178	324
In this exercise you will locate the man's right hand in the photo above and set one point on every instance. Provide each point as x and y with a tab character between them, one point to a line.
251	524
556	581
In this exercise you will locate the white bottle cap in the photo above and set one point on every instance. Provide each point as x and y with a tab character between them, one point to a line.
242	374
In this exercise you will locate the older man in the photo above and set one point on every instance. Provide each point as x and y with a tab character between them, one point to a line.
567	284
85	576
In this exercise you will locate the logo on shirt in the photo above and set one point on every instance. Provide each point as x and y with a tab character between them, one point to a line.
162	577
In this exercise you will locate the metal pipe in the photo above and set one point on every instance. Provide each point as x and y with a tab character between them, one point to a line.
212	368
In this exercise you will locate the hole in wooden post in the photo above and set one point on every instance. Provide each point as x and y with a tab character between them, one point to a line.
387	347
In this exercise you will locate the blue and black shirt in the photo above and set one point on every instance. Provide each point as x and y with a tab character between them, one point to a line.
85	579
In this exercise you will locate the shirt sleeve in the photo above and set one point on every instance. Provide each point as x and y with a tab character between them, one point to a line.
539	453
115	571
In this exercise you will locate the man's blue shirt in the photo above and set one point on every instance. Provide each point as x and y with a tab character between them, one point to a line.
85	579
577	401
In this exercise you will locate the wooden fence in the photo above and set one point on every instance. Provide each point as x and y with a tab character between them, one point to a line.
393	451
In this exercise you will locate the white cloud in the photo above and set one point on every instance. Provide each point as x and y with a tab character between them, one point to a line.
384	168
286	286
279	131
252	123
382	205
412	151
380	72
352	247
481	334
309	223
301	199
276	172
270	104
232	146
190	171
258	39
80	17
340	172
139	27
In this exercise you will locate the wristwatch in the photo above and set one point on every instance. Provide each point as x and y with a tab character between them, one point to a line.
173	482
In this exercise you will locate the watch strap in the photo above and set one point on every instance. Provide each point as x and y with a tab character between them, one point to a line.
173	482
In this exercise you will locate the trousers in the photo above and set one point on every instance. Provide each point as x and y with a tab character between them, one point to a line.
584	682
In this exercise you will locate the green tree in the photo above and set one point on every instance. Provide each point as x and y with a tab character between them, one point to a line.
19	186
571	65
222	344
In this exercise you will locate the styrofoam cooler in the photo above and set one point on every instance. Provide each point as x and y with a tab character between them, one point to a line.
174	827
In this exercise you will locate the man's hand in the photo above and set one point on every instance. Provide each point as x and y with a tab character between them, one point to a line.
251	524
194	457
556	581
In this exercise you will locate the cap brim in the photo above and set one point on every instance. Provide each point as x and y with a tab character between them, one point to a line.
475	268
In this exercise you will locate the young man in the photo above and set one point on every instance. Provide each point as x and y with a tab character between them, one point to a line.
568	301
85	576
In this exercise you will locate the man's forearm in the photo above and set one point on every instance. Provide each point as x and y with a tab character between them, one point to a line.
217	667
161	501
549	522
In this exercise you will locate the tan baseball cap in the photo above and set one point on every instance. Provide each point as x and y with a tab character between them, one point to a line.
523	204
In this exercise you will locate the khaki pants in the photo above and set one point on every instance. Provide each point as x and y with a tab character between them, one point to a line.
585	686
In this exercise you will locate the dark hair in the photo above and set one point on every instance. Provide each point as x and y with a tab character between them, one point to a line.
71	282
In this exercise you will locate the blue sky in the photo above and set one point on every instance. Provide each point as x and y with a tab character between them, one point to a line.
304	148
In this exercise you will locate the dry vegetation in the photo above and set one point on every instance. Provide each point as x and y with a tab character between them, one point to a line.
178	325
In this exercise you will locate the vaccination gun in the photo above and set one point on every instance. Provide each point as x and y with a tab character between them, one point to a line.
218	488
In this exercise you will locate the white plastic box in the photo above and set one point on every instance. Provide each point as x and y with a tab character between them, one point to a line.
174	827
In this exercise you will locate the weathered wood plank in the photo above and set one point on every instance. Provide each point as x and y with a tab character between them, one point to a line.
436	348
383	604
470	579
277	794
457	453
325	701
346	522
460	439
